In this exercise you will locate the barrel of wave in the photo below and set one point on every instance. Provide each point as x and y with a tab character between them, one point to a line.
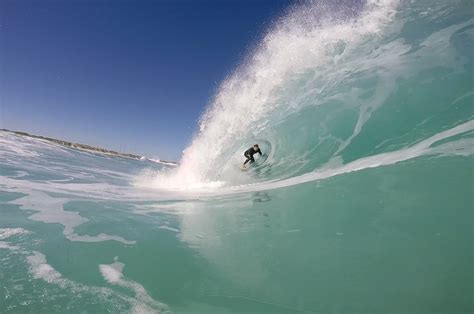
231	171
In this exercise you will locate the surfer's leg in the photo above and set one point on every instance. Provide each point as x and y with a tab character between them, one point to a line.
248	159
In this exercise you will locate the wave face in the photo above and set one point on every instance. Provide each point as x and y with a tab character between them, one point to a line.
329	85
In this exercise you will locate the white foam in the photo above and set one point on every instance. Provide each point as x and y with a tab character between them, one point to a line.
40	269
158	161
169	228
5	233
8	246
16	146
113	274
99	238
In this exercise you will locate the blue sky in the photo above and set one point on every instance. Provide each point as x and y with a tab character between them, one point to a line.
127	75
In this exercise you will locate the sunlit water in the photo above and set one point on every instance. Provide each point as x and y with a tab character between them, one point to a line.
362	202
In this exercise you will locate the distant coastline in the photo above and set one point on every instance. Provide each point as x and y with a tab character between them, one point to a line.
89	148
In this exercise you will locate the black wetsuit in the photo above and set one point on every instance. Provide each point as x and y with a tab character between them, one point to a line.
249	154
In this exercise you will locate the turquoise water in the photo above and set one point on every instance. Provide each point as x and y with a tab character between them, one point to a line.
363	202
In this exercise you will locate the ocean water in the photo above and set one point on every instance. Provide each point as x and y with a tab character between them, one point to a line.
362	202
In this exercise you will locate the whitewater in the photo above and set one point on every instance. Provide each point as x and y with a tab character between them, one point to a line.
362	201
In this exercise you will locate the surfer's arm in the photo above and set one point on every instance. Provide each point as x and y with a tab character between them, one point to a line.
260	152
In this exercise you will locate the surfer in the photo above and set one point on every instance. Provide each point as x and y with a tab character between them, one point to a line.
250	152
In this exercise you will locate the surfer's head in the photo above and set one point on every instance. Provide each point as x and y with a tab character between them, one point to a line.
255	146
